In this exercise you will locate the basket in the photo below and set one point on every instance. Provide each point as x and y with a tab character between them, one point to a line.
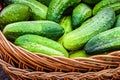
21	64
27	65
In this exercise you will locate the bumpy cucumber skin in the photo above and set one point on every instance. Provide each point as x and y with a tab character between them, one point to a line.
14	13
57	7
91	1
66	23
78	38
39	44
103	42
117	23
44	28
80	14
116	7
39	11
102	4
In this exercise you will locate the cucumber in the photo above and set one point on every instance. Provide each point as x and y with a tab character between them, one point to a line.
66	23
91	1
39	10
102	4
103	42
116	7
15	13
44	28
80	14
78	54
39	44
117	23
76	39
57	7
45	2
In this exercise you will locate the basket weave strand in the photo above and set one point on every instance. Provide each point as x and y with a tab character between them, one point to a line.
27	60
22	74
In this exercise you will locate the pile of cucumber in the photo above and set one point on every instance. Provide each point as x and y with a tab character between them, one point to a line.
66	28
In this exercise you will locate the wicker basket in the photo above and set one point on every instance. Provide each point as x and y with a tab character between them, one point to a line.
27	65
21	64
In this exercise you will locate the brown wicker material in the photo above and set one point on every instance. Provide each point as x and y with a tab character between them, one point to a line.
96	67
22	74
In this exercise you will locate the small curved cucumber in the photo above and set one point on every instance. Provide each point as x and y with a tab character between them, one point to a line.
102	4
57	7
44	28
66	23
80	14
104	42
39	10
103	21
14	13
39	44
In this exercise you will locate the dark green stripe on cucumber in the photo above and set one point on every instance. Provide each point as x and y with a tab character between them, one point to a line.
44	28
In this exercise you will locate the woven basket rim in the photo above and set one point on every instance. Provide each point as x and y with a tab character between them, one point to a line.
16	73
25	59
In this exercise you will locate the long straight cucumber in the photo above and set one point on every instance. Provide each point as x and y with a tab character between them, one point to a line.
39	44
44	28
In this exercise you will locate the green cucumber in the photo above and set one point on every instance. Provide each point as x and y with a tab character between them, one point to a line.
39	44
76	39
91	1
116	7
80	14
117	23
44	28
102	4
57	7
66	23
39	11
104	42
15	13
78	54
45	2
